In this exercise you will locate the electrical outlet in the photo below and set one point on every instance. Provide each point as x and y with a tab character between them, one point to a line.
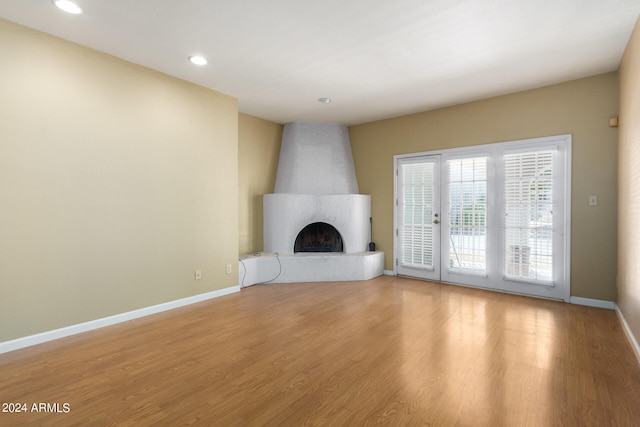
228	268
198	274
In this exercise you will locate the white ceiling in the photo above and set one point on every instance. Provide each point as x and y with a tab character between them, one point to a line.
374	58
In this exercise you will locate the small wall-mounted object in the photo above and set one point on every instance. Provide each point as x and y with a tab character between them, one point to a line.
613	122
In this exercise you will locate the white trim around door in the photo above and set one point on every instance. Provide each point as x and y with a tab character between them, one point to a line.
497	215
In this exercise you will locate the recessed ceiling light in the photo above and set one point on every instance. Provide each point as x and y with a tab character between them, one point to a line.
324	100
68	6
198	60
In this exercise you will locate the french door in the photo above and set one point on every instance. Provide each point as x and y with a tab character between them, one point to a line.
493	216
419	218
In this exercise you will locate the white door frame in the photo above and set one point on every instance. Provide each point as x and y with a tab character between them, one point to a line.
564	200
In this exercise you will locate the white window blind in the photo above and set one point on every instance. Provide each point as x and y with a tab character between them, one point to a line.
529	215
417	214
467	180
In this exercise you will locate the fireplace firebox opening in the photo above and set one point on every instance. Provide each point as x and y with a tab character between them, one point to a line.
319	237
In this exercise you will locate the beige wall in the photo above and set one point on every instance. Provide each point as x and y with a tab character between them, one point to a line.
629	185
581	108
116	183
258	152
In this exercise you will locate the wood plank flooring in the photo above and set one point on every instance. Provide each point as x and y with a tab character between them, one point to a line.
391	351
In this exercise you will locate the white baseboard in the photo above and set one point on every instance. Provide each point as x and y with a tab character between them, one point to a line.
388	273
43	337
627	330
593	302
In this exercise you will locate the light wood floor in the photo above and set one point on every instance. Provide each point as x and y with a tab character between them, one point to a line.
391	351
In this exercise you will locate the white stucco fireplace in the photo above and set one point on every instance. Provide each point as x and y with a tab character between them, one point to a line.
316	189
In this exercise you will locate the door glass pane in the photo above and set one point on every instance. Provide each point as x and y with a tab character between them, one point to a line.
418	189
467	180
529	215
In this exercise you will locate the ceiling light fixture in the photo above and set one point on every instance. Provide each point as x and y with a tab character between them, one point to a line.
198	60
324	100
68	6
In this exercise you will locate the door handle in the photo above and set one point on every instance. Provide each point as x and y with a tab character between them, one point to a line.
435	221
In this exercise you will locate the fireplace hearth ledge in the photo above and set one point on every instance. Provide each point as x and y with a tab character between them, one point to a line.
309	267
